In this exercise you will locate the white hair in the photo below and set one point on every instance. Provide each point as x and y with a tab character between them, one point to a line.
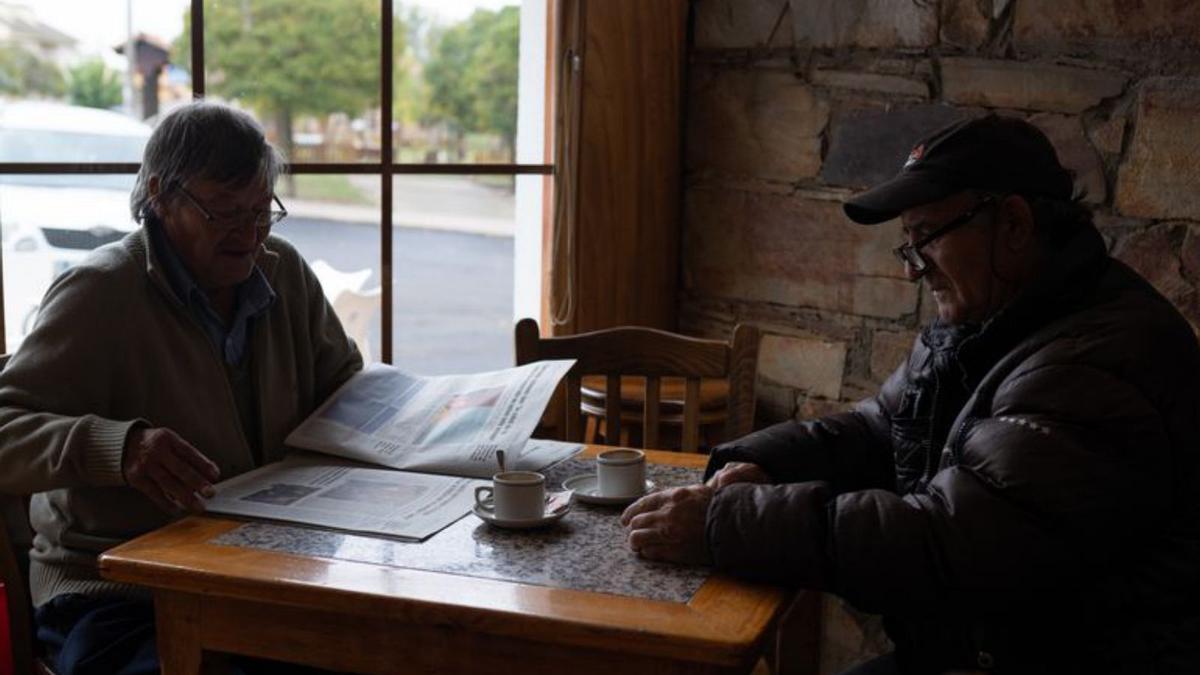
205	140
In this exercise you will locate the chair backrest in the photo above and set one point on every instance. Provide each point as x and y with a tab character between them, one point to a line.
15	536
14	572
653	354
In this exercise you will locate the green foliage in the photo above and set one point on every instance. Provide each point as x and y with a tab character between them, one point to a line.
409	91
290	57
450	102
493	76
472	74
286	58
329	188
25	74
93	85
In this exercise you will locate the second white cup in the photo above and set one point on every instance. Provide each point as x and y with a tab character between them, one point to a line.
621	473
514	495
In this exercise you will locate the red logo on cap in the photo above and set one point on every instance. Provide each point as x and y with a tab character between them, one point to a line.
914	156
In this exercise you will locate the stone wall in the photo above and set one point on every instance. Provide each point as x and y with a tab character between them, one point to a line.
792	106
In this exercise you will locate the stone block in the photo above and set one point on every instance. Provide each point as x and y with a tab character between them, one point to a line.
1075	153
811	365
790	251
875	257
889	349
1119	27
1027	86
883	297
1160	176
754	123
869	145
880	24
890	66
872	82
1108	135
736	24
774	403
1189	254
964	24
1155	253
812	407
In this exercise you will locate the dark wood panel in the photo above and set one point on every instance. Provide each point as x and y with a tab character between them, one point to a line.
628	165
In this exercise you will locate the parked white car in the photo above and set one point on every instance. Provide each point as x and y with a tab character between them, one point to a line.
50	222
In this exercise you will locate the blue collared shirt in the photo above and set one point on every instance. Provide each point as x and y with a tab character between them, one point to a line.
254	297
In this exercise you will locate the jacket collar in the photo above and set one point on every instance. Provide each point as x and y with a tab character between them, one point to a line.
1068	276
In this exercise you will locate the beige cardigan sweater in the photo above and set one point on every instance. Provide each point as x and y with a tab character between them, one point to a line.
114	347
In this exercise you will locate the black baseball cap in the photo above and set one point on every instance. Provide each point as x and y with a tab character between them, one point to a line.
992	153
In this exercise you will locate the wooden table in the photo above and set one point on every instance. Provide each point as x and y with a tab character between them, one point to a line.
378	618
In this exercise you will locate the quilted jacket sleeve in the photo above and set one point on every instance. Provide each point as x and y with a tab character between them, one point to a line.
850	451
1055	483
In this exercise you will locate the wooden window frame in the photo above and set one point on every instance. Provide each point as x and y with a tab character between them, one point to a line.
386	168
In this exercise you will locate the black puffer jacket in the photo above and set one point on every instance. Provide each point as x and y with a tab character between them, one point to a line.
1023	497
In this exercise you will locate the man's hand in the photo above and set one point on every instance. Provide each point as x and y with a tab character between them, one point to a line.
168	470
738	472
669	525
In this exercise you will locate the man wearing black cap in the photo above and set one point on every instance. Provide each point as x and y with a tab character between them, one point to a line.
1022	495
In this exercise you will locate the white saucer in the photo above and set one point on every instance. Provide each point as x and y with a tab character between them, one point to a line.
587	489
557	506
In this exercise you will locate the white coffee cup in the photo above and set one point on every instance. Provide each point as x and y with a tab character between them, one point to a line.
514	495
621	473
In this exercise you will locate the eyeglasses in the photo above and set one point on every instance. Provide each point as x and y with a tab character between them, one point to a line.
910	253
260	218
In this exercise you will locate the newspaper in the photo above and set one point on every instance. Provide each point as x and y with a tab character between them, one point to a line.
451	424
346	495
425	426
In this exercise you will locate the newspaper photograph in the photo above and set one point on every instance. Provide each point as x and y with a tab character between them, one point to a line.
451	424
345	495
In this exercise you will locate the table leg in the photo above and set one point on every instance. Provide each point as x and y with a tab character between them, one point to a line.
798	637
177	618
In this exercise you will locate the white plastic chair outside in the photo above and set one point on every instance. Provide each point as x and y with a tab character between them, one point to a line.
354	307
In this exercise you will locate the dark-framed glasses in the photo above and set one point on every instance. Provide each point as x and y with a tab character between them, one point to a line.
910	253
260	218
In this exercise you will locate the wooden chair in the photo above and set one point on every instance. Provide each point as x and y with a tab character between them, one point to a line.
15	539
652	354
714	397
14	571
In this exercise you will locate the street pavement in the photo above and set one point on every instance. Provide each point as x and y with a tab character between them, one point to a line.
453	299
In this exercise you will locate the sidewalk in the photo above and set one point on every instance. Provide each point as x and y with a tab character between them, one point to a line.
370	215
432	202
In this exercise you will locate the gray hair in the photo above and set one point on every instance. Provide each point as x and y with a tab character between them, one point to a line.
204	140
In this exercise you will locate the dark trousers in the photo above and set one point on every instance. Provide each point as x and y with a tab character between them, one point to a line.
86	635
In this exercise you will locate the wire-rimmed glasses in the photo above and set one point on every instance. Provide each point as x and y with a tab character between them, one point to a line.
260	218
909	253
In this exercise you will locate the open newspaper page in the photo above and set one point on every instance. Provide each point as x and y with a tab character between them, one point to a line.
451	424
346	495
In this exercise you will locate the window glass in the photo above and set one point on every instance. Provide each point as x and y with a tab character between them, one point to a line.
334	223
307	69
47	224
71	90
456	71
453	273
87	82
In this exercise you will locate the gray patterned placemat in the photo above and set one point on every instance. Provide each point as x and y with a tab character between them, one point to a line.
583	551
